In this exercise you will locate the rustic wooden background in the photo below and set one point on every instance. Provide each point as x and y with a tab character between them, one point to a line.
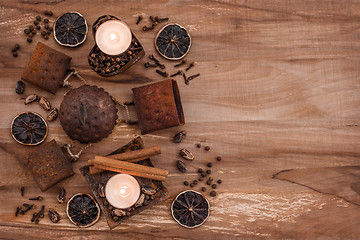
278	98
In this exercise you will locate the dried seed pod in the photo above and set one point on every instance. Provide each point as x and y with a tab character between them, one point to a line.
148	190
20	87
179	136
44	103
31	98
101	190
181	166
62	195
118	212
52	114
54	216
186	154
140	201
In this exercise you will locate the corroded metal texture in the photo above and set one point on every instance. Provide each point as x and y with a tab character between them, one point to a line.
48	165
106	65
88	114
46	68
158	106
101	178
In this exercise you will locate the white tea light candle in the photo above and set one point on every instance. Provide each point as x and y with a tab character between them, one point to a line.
122	191
113	37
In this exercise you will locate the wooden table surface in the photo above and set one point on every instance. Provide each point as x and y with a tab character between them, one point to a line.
278	99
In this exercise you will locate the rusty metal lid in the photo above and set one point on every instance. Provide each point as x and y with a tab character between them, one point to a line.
88	114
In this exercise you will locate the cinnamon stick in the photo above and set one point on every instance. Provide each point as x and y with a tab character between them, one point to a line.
137	155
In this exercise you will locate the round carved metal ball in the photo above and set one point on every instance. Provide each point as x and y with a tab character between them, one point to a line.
88	114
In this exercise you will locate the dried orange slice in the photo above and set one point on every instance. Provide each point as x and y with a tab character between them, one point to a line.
70	29
173	42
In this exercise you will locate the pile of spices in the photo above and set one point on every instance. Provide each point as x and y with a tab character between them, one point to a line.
39	24
37	215
14	50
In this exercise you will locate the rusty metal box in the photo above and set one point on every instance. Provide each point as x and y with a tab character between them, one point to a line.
158	106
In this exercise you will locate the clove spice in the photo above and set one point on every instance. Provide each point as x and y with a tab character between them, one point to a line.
190	66
139	19
175	74
180	64
38	198
147	65
163	73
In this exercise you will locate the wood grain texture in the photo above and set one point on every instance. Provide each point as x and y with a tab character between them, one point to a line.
279	90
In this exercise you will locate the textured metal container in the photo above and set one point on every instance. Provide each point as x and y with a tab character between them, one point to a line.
47	68
158	106
48	165
101	178
126	59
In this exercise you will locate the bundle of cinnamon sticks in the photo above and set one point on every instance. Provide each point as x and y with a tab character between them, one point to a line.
125	163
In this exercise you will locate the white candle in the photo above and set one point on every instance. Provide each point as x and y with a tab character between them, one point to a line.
113	37
122	191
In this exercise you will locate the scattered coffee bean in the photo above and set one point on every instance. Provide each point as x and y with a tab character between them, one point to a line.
46	12
17	46
208	171
181	166
198	145
218	159
179	136
46	26
26	31
29	40
46	20
48	32
22	191
51	29
38	27
201	179
61	195
38	18
207	148
200	170
213	186
209	164
13	50
36	22
186	183
195	182
208	182
213	193
31	27
46	37
203	189
219	181
43	33
15	54
210	179
203	174
191	184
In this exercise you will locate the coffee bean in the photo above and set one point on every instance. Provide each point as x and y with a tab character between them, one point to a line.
200	170
46	26
218	158
36	22
48	32
46	20
38	27
29	40
46	37
17	46
195	182
208	182
50	13
213	193
207	148
46	12
198	145
191	185
203	189
208	171
38	18
203	174
210	179
219	181
31	27
201	179
15	54
26	31
213	186
209	164
51	29
33	32
186	183
43	33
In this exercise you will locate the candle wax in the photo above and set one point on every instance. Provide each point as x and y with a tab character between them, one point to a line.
122	191
113	37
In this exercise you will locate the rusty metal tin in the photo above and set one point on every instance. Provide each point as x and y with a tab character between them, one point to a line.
158	106
101	178
47	68
48	165
96	57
